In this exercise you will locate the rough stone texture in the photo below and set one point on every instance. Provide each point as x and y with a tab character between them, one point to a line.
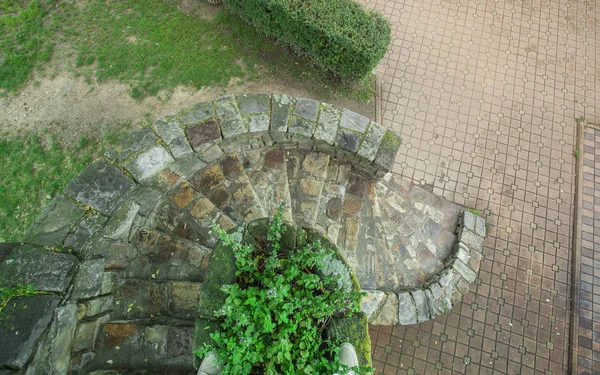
388	315
422	305
185	297
196	114
101	186
231	120
307	109
23	322
372	303
138	140
300	127
354	121
327	125
149	162
84	232
55	222
47	271
88	280
280	111
371	142
119	225
170	131
254	103
388	150
53	355
142	299
468	274
223	273
204	133
203	328
348	140
99	305
407	312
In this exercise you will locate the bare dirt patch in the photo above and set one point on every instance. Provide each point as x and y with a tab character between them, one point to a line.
70	108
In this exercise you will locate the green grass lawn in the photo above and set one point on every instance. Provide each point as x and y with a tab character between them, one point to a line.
35	168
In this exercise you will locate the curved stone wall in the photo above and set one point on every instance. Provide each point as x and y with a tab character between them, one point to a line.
123	252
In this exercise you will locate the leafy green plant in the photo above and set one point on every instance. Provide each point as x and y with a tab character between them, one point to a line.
576	153
274	316
6	294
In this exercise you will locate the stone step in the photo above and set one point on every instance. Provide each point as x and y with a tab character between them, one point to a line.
267	172
307	173
140	347
225	183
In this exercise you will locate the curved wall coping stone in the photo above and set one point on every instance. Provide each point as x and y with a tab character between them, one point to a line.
83	239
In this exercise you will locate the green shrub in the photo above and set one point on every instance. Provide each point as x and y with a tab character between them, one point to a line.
274	316
337	35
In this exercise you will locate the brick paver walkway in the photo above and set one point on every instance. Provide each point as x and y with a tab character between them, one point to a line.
588	338
485	94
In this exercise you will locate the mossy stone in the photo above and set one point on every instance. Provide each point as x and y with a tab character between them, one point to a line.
203	328
355	330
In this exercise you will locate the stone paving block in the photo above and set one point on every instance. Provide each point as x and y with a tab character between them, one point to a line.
422	305
407	311
254	103
258	123
388	315
348	140
308	109
142	299
84	232
119	225
327	124
204	134
469	220
99	305
137	141
372	302
170	131
300	127
388	150
480	228
149	162
101	186
53	355
280	111
229	117
48	271
24	321
371	142
468	274
471	240
88	280
196	114
354	121
55	222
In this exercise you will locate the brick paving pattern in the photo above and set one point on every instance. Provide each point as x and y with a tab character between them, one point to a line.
588	359
485	94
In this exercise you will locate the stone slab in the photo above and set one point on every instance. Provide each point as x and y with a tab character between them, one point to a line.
23	321
354	121
390	144
84	232
388	315
138	140
119	225
196	114
207	132
88	279
422	305
348	140
101	186
47	271
372	302
229	116
327	125
254	103
407	311
170	131
371	142
149	162
307	109
55	222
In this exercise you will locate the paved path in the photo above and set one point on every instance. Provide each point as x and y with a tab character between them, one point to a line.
485	95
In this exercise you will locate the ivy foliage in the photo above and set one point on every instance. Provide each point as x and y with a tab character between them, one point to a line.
337	35
274	316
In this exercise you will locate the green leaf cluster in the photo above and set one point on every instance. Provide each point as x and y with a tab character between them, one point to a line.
337	35
274	316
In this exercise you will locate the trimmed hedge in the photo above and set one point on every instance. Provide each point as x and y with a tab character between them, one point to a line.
337	35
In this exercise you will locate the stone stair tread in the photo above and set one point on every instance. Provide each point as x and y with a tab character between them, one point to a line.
307	172
145	346
189	215
419	229
225	183
267	172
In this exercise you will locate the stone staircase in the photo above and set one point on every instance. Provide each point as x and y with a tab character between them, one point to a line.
138	226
